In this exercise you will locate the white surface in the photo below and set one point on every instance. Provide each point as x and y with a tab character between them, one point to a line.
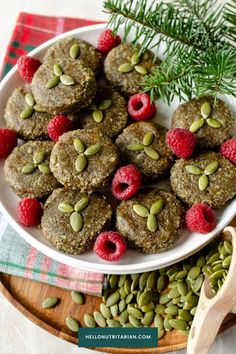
18	334
132	262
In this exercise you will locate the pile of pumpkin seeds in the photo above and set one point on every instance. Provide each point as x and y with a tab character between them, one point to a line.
166	298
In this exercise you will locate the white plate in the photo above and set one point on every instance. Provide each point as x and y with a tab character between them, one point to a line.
133	261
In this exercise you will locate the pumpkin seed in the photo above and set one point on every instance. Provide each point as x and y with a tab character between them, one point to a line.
151	280
173	293
50	302
167	324
77	297
211	168
52	82
140	211
135	282
113	280
44	169
152	223
223	252
140	69
81	204
27	112
145	298
218	267
191	302
158	321
79	145
72	324
196	125
196	286
67	80
114	310
129	298
38	157
161	333
80	163
151	153
128	325
135	59
185	315
226	262
170	303
172	310
161	283
217	275
125	68
122	293
203	183
97	115
194	273
134	312
127	286
122	305
29	99
160	309
213	123
99	319
113	323
123	318
228	246
157	207
143	280
65	207
149	307
176	300
93	149
29	168
194	170
219	283
178	324
113	299
122	279
181	275
205	109
74	51
57	70
76	221
164	298
134	321
106	293
148	139
89	321
201	262
184	333
148	318
182	288
213	258
193	311
38	108
105	104
105	311
135	147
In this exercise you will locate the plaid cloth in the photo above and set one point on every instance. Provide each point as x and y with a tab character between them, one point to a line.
17	257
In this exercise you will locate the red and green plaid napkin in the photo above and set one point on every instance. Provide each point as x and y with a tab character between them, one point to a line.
17	257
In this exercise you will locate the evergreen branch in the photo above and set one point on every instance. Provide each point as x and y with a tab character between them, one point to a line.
230	17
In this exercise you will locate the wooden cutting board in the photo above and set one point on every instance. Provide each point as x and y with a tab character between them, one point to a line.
27	295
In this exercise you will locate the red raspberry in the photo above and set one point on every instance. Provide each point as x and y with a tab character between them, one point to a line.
8	140
110	245
140	107
107	40
126	182
181	141
200	218
228	150
27	66
58	126
29	211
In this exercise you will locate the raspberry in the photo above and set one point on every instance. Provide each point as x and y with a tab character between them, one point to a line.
29	211
110	245
228	150
27	66
8	140
200	218
126	182
58	126
181	141
107	40
140	107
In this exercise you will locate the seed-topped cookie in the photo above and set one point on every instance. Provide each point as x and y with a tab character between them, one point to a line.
84	159
107	112
143	143
27	169
211	124
63	85
25	116
76	49
150	221
208	178
125	68
72	219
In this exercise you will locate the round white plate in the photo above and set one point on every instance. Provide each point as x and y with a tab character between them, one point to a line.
133	261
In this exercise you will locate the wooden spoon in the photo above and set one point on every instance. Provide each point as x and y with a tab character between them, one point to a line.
212	308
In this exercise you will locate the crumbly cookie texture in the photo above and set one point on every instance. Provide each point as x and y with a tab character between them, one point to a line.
134	227
89	56
221	184
64	98
128	83
99	167
207	136
36	184
149	167
32	128
56	225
